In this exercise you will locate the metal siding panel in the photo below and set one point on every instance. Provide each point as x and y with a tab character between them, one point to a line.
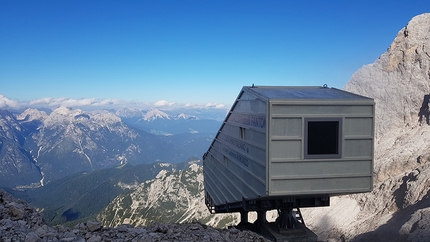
247	120
232	130
268	146
268	137
228	185
321	111
252	151
320	168
253	106
340	185
252	137
288	149
223	189
239	153
355	148
358	127
257	138
287	127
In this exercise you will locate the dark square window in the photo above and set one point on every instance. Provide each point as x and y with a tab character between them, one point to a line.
322	138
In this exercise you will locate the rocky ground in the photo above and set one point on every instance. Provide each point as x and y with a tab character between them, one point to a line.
20	222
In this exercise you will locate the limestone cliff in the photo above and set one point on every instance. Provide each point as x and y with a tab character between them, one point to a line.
399	79
397	209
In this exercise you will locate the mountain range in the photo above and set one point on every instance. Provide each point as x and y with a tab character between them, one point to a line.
83	195
159	122
37	147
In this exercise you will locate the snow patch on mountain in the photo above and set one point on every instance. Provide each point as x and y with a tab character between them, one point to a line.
154	114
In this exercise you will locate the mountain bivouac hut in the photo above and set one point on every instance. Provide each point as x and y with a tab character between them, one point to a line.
289	147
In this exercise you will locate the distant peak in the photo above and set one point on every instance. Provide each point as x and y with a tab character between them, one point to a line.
415	33
155	113
185	117
31	114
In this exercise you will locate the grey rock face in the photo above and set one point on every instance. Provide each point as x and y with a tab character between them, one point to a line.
399	80
397	208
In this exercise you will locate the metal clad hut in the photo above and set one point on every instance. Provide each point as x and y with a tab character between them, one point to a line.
282	147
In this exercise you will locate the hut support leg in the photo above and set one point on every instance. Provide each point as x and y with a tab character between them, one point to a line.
285	219
243	217
288	219
261	218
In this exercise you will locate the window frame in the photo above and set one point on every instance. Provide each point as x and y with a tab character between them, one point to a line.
339	139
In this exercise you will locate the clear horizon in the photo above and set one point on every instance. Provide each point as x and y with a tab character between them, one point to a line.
188	52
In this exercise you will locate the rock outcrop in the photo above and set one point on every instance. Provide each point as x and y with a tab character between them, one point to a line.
396	209
171	197
399	79
19	222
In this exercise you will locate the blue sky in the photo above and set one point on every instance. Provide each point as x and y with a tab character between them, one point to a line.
188	51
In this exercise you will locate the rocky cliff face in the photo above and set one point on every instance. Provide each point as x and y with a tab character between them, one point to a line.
171	197
399	79
396	210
